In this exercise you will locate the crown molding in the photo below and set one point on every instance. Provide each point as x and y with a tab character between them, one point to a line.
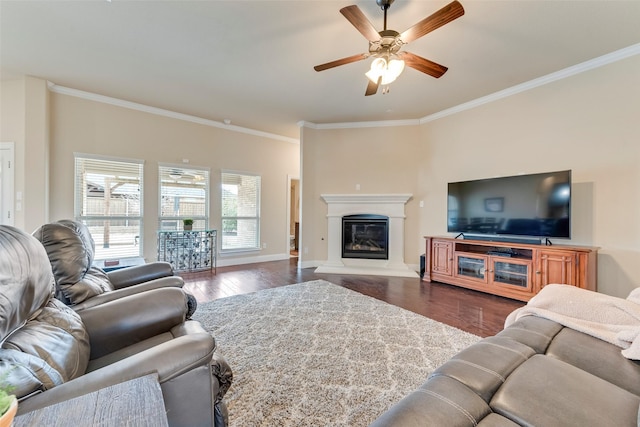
400	198
352	125
600	61
541	81
165	113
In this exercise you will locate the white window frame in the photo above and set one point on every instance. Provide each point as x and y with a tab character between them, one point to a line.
80	201
223	247
198	219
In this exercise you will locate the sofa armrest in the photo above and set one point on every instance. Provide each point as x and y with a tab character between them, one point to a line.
164	282
129	276
169	359
126	321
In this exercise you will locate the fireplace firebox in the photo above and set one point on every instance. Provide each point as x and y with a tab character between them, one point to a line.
365	236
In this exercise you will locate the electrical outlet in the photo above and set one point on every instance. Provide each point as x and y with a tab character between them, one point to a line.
306	250
264	245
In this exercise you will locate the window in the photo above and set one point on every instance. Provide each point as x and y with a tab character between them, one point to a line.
108	195
240	211
184	194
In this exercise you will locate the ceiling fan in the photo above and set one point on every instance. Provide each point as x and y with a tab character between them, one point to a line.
177	174
385	45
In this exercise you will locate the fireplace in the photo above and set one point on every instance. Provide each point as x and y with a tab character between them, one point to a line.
388	206
365	236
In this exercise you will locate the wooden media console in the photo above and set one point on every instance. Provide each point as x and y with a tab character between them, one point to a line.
512	270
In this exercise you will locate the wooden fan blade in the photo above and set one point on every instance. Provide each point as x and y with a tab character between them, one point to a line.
424	65
362	24
372	88
338	62
445	15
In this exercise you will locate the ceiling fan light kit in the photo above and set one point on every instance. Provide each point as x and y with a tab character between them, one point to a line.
388	69
384	46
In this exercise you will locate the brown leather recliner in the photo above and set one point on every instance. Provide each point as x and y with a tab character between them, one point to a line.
51	353
71	249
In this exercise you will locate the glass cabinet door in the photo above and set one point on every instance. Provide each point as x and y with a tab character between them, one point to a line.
471	267
512	273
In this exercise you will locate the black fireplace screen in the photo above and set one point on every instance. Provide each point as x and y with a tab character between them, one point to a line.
365	236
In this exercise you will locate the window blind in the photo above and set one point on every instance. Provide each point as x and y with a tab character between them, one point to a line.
184	193
108	199
240	201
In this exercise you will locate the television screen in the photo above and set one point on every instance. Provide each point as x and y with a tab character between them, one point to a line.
537	205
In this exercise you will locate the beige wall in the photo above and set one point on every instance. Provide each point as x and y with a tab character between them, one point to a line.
380	160
588	123
12	128
24	120
80	125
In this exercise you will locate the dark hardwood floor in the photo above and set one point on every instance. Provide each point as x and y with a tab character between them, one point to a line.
472	311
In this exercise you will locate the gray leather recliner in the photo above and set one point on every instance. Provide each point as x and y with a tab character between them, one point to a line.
79	284
51	353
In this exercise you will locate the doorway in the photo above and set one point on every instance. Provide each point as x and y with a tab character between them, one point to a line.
6	183
293	217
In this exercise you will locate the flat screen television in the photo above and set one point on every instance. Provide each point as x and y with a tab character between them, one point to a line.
533	205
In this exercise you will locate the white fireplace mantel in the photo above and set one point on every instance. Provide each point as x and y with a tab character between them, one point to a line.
390	205
334	200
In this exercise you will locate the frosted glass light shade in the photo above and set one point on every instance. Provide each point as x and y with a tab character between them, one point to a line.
389	71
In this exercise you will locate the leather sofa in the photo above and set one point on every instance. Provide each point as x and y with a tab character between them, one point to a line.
51	353
535	372
79	284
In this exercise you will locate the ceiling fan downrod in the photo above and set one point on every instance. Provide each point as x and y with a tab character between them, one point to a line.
384	5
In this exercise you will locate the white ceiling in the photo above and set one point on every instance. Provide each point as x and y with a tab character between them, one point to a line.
252	61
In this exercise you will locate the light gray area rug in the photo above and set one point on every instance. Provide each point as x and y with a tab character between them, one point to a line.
317	354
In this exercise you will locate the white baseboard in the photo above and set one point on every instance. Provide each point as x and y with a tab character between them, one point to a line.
225	261
413	270
367	271
310	264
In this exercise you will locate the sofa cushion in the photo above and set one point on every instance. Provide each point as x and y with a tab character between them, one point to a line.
532	331
598	357
484	366
545	391
94	282
28	374
58	337
495	420
442	401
